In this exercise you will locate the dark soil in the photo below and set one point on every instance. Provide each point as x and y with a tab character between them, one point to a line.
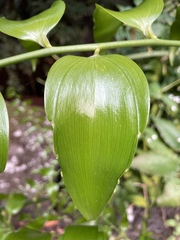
27	153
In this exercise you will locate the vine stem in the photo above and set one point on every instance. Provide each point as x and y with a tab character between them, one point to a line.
87	47
171	85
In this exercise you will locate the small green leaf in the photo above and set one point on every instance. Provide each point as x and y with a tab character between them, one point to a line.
83	232
171	193
171	106
140	17
4	134
38	222
105	25
171	222
28	234
35	28
169	133
45	171
138	200
52	190
154	164
156	145
15	203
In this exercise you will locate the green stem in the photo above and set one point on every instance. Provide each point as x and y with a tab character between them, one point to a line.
171	85
86	47
143	55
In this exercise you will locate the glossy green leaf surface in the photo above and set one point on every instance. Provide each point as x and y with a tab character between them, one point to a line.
140	17
155	164
83	232
169	133
98	106
37	27
4	134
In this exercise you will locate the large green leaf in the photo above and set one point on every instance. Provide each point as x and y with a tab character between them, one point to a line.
140	17
169	133
171	193
35	28
83	232
155	164
98	106
4	134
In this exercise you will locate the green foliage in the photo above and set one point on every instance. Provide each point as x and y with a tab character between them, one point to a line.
35	28
153	179
154	164
174	34
136	17
105	25
169	133
29	234
171	193
174	223
15	203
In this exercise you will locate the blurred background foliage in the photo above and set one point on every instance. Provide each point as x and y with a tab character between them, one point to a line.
154	177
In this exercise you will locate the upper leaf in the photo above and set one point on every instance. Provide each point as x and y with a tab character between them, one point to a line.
4	134
140	17
174	31
37	27
105	25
